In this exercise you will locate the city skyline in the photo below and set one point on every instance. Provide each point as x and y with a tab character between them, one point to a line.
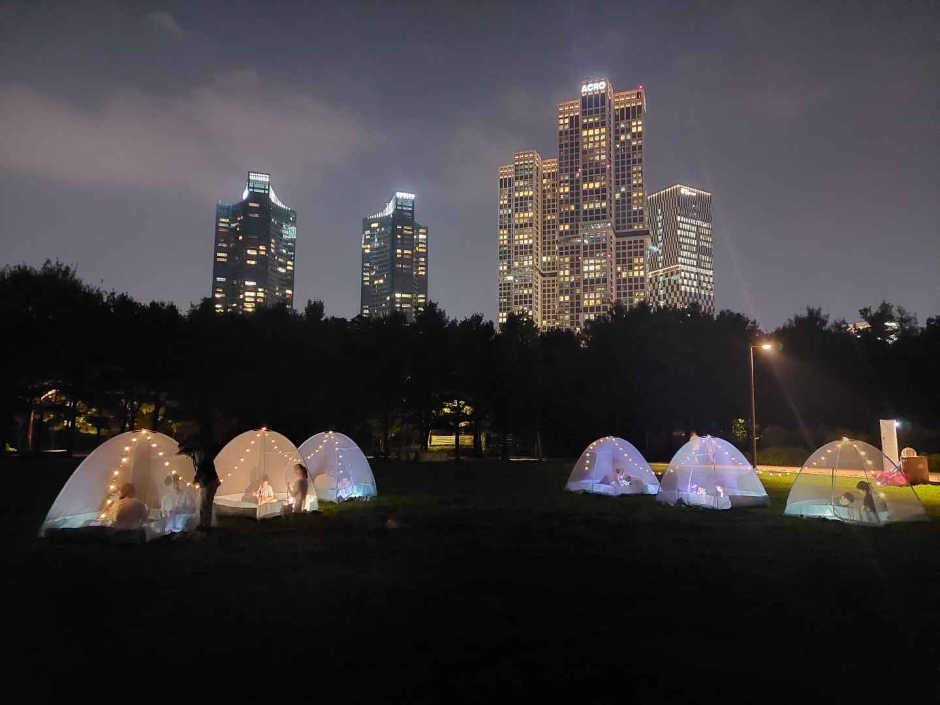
756	105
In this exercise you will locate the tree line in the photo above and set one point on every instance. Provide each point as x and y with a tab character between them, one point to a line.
82	363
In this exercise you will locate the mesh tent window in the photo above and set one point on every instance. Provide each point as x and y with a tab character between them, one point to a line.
338	468
612	466
242	465
142	458
710	472
854	482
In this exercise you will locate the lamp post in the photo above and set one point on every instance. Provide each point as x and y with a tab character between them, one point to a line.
761	346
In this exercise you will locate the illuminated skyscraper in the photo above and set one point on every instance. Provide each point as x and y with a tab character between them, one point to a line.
520	237
682	269
572	248
255	240
394	260
549	256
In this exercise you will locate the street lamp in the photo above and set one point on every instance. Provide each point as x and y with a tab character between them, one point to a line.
762	346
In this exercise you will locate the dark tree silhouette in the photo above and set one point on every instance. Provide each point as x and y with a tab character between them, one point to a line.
79	359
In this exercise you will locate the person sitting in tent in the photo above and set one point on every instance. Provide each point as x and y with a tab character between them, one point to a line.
177	505
615	477
868	499
264	493
344	488
297	490
127	512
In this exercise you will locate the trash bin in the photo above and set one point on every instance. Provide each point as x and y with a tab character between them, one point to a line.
915	469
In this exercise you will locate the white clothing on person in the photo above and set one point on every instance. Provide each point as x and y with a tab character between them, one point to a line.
177	506
265	493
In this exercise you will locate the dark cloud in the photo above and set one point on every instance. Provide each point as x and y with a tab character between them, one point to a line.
192	140
164	22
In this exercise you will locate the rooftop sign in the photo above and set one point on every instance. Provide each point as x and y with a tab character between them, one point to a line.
593	86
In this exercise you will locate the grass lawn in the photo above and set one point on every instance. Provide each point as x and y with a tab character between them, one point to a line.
498	583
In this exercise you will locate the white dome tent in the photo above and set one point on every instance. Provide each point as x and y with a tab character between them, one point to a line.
338	468
710	472
612	466
848	481
242	465
142	458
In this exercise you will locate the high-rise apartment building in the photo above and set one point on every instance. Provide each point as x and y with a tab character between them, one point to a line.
394	260
572	230
255	241
548	317
681	264
520	237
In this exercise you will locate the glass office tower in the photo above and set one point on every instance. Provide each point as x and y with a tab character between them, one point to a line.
394	260
255	243
681	262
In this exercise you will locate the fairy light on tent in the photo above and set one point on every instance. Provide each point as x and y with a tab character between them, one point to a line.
114	483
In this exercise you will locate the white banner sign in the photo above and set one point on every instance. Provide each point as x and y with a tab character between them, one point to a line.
889	443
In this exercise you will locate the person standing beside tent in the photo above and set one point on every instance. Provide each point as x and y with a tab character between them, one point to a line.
297	490
208	482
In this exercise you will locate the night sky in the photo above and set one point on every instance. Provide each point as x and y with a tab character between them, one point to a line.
815	126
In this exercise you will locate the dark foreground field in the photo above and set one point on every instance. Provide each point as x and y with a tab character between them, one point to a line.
497	584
